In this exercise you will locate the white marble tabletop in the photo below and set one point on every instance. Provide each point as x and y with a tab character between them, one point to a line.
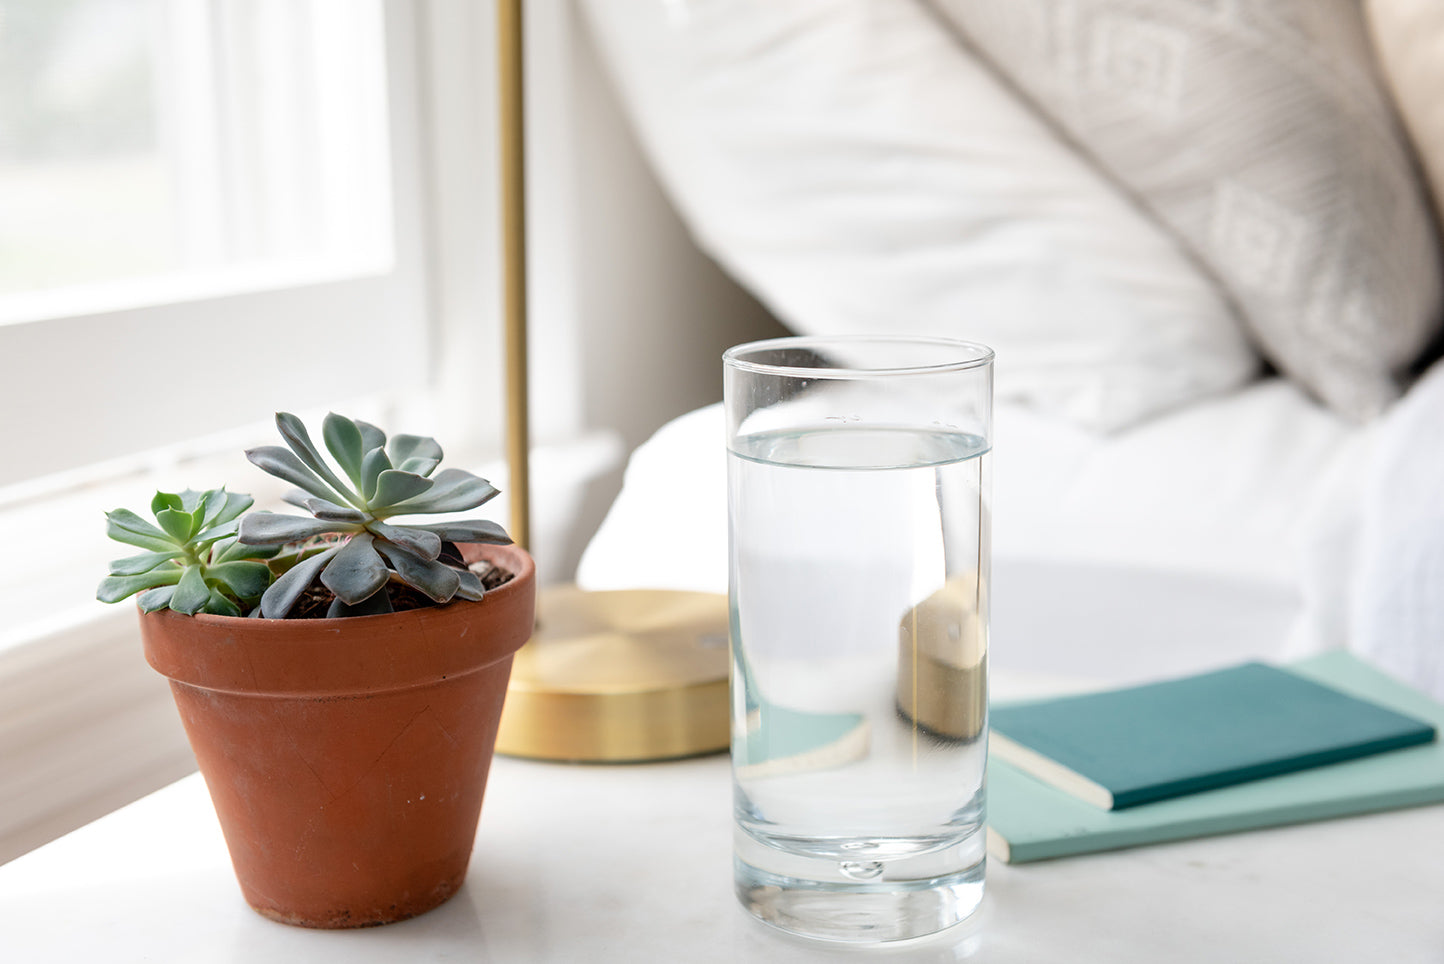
602	864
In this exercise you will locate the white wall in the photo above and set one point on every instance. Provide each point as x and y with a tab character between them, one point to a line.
629	319
658	313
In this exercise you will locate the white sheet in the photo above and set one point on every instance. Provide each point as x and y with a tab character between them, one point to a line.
1226	487
1396	606
1315	534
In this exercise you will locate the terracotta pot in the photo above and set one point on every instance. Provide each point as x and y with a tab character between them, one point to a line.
347	757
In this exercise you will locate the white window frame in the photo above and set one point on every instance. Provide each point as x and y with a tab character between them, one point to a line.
310	334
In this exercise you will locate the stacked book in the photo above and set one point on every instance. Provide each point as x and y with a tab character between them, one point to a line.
1241	748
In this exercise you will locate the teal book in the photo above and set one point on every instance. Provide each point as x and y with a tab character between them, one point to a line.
1124	747
1031	820
778	740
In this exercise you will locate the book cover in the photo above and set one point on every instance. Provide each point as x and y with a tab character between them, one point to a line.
779	740
1030	820
782	741
1124	747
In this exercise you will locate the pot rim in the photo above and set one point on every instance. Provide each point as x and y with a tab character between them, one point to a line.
346	656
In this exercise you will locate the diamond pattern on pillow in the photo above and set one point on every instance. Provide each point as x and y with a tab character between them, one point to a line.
1260	134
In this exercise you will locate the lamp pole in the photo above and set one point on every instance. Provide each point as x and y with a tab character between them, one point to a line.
620	676
513	224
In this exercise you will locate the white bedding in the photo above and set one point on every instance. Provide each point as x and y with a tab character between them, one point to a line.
1242	490
1394	591
1226	487
859	167
1107	192
1310	533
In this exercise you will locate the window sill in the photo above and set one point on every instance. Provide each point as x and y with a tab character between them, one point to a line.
86	725
131	294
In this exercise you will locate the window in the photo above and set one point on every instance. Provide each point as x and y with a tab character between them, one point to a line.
151	138
189	187
200	199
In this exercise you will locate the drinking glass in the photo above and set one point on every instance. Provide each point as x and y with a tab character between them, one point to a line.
858	500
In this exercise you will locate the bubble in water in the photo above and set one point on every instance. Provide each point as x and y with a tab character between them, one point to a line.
861	870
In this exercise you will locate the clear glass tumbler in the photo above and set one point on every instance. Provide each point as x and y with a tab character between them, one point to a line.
858	496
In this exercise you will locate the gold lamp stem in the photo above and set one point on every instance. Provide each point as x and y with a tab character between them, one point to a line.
513	223
616	677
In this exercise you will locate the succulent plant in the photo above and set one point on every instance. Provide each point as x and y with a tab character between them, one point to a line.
348	542
193	561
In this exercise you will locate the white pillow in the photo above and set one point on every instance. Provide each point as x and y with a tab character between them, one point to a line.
667	528
1260	133
859	171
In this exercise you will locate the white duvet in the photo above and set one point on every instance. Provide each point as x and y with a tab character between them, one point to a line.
1335	533
1078	185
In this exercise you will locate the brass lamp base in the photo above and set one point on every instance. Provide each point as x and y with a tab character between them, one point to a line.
626	676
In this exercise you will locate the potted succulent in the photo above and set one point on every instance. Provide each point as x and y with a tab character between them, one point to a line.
340	675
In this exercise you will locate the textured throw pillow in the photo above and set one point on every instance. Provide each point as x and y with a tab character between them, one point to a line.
1259	131
854	166
1409	38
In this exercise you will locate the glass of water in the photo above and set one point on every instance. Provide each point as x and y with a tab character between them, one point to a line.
858	496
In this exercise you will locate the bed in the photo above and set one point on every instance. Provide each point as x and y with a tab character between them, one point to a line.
1200	238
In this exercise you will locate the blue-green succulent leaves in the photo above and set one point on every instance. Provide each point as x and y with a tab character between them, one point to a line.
360	552
193	562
